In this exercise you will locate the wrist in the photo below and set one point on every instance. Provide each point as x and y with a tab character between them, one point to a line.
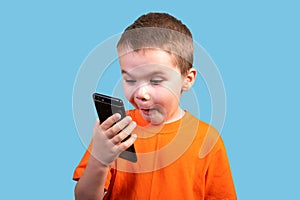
96	164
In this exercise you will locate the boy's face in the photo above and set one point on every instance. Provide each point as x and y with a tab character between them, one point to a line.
153	85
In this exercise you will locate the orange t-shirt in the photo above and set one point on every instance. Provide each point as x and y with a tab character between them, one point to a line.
185	159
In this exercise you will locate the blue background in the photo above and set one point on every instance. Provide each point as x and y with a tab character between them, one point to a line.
255	45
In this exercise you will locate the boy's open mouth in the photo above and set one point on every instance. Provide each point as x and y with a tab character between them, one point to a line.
147	111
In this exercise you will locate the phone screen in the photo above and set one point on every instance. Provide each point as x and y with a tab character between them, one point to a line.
106	106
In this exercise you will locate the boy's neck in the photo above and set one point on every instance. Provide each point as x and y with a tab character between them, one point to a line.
179	114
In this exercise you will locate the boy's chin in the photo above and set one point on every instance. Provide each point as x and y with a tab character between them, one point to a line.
157	121
155	118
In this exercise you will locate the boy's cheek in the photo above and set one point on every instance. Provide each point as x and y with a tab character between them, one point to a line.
129	94
127	90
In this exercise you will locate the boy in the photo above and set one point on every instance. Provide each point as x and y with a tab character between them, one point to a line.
179	156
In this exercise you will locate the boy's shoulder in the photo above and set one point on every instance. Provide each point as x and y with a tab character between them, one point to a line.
191	120
207	135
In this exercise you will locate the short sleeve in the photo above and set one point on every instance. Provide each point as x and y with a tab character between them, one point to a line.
219	182
82	164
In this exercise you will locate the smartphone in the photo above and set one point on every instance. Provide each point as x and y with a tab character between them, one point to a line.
106	106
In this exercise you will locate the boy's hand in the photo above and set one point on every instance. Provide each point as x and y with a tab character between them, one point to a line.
107	139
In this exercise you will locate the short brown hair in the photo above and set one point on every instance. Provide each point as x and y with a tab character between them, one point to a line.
160	31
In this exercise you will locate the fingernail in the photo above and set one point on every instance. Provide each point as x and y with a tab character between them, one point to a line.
118	116
128	118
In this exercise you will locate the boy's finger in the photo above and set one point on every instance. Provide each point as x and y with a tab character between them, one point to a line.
110	121
97	122
124	133
126	144
119	126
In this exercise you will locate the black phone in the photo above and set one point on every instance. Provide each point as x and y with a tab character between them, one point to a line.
106	106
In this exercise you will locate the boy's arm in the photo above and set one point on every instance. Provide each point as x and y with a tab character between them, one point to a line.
106	147
91	183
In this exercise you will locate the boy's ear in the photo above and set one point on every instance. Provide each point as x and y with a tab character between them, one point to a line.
189	79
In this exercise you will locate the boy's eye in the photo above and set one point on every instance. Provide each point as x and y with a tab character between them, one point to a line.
129	81
156	81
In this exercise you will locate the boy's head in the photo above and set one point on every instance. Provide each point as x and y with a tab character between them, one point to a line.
156	55
160	31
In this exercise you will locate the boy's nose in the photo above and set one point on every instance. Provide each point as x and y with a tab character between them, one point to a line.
142	93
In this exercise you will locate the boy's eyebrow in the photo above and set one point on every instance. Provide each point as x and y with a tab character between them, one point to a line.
153	73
